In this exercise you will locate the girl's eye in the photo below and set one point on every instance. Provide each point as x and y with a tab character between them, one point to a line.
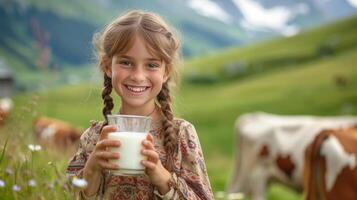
153	65
125	62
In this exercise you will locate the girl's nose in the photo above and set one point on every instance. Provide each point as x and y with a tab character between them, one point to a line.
138	74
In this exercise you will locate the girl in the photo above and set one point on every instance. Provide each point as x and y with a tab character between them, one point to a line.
138	54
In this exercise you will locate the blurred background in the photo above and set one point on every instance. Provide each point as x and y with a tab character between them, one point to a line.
295	57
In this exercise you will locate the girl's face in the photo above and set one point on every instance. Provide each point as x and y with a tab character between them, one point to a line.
137	76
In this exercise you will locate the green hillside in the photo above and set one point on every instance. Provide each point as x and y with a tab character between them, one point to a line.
306	47
306	87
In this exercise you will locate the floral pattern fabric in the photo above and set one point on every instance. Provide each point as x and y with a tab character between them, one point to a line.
189	177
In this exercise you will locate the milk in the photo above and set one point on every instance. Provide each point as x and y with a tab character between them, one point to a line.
129	150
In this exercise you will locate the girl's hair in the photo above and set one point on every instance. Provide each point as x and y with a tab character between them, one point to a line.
161	41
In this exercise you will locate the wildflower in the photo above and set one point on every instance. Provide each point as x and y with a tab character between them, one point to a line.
34	147
233	196
9	171
2	183
32	183
81	183
16	188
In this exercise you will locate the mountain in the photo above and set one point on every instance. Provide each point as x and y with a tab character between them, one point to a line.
271	17
41	34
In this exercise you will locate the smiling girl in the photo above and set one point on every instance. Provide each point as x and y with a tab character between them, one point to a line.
138	54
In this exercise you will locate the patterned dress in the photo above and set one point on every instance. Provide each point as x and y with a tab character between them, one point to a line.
189	178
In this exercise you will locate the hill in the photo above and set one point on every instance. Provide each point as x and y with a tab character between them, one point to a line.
306	47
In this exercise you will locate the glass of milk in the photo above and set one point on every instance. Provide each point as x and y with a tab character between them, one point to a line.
132	130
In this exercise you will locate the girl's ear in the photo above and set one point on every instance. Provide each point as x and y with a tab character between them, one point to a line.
168	69
108	69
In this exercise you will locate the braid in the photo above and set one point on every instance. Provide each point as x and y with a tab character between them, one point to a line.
170	140
108	100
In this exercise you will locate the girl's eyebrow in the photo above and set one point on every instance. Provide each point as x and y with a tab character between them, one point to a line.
125	56
132	58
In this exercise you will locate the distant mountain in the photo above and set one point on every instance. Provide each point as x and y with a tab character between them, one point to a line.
40	34
271	17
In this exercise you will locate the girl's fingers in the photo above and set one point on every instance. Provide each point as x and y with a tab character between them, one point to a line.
103	144
107	165
152	155
148	144
150	138
106	130
148	165
108	155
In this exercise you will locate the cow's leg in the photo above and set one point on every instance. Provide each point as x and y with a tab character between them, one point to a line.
245	161
259	181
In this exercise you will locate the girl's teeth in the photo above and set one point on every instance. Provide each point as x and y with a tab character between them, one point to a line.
136	89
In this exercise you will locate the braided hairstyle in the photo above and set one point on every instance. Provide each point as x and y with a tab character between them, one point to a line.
108	100
161	41
170	130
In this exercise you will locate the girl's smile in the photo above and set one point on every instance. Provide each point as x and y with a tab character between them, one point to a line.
137	90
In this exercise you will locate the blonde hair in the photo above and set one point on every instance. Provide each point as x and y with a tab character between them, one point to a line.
161	41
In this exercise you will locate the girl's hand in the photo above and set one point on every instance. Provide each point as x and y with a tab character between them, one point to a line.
100	156
157	173
98	161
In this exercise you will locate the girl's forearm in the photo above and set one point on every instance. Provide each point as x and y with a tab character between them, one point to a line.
93	179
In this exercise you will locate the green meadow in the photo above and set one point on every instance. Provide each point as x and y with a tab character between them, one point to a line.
296	75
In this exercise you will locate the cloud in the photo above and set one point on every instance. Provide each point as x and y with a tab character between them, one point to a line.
352	3
210	9
258	18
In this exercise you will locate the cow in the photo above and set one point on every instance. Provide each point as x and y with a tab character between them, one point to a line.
6	106
330	168
271	148
54	132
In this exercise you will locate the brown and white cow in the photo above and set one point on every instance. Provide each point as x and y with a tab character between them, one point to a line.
271	148
330	170
54	132
6	106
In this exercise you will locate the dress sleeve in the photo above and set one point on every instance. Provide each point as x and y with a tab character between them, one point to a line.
76	164
191	182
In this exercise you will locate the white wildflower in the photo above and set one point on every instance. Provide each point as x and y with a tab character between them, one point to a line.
235	196
34	147
2	183
81	183
16	188
32	183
